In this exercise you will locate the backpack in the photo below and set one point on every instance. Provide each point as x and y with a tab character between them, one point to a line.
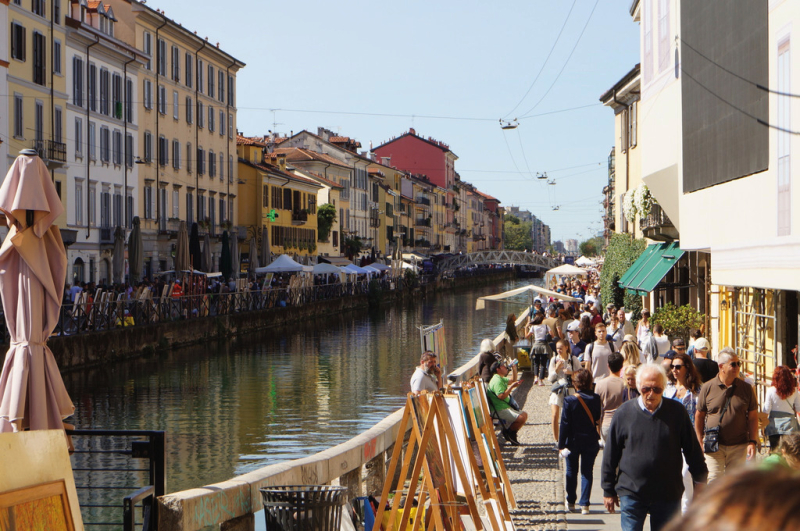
587	354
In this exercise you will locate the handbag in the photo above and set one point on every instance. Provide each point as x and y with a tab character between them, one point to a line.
781	423
711	439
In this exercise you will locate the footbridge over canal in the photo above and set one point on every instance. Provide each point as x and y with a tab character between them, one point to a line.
530	260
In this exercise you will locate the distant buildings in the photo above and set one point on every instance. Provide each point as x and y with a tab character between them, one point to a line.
571	247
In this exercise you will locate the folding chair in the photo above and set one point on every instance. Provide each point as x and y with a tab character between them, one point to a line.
504	426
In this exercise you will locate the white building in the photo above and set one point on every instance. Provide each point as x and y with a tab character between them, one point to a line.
4	123
102	182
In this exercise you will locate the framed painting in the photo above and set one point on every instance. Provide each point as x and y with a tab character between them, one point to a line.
36	508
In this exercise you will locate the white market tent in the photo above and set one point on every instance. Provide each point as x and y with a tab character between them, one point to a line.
282	264
585	262
406	265
372	270
325	269
561	271
533	290
354	269
379	266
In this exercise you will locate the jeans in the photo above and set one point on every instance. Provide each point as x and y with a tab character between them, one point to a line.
633	512
586	457
540	362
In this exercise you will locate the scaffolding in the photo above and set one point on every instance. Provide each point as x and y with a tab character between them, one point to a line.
754	312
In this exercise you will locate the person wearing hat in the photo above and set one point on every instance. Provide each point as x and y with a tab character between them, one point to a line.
706	367
610	310
576	345
501	387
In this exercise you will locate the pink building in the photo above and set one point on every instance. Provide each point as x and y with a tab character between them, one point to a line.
422	156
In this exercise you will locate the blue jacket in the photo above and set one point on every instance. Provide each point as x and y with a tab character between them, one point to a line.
577	431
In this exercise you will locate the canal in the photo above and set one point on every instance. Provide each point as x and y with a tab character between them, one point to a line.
234	406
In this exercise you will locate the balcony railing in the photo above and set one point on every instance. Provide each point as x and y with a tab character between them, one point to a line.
423	201
299	217
422	222
658	226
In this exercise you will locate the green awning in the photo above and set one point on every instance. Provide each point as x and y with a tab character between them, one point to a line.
651	267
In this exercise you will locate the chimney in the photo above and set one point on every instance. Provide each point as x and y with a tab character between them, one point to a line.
386	161
282	161
412	131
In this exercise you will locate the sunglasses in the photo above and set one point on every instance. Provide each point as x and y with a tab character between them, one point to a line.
677	367
735	363
656	390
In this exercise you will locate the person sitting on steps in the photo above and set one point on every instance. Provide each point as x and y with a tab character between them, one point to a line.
502	386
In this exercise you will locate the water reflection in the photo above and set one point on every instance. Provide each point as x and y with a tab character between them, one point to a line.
234	406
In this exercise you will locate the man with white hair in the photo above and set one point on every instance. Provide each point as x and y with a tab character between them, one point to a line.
643	456
728	403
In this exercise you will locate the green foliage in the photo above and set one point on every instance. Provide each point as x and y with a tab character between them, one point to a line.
592	246
410	278
326	217
517	235
352	246
622	252
678	321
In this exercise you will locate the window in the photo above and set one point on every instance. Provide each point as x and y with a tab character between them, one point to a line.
78	137
117	219
162	99
58	124
230	126
212	218
148	201
57	12
784	140
634	112
105	153
147	46
222	210
663	34
57	55
91	96
92	141
221	123
148	94
161	60
117	147
189	208
17	41
129	150
200	75
189	157
230	91
189	110
210	81
78	203
200	114
129	209
105	209
104	91
129	100
210	119
176	207
92	205
176	154
176	64
148	146
175	107
189	70
277	198
163	153
39	58
312	204
265	196
212	164
116	96
221	86
201	161
287	199
230	168
77	81
201	206
38	7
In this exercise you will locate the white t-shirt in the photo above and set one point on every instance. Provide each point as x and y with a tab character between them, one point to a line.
772	402
599	360
539	332
422	381
663	344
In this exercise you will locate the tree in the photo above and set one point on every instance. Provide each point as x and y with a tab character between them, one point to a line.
517	234
326	217
352	246
592	246
622	252
678	321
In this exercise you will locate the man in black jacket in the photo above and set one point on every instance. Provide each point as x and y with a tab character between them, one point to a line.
642	461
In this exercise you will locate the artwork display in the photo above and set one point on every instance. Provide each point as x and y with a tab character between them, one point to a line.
36	508
432	338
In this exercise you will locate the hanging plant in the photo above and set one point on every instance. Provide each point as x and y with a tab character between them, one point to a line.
628	206
643	201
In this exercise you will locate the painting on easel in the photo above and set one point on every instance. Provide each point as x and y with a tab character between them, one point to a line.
35	508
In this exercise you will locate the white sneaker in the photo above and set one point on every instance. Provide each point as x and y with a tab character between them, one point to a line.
569	507
585	509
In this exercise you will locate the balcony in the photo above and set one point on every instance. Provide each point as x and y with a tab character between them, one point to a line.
422	222
374	222
51	151
657	226
299	217
423	201
106	235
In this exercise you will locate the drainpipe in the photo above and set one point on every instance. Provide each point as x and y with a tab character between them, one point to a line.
125	137
52	89
197	131
228	142
88	148
158	138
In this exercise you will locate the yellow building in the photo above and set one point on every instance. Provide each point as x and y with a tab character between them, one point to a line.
37	91
439	211
187	126
272	197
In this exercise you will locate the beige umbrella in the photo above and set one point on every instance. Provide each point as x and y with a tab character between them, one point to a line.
182	249
33	267
266	251
235	257
253	256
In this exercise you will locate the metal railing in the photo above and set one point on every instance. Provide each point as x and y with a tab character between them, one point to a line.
118	475
656	218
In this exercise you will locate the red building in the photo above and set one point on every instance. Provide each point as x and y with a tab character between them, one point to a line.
422	156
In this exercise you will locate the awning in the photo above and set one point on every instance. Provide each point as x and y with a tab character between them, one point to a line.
336	260
651	267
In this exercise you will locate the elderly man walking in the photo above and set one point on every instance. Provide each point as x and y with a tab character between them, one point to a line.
642	462
727	409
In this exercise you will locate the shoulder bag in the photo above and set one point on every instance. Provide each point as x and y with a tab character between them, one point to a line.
591	417
711	438
782	423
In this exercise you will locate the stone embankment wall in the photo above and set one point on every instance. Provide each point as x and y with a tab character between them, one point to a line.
97	348
360	464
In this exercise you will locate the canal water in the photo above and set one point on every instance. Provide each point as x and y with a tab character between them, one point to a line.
234	406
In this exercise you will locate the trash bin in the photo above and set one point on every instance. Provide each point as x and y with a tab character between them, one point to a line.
303	507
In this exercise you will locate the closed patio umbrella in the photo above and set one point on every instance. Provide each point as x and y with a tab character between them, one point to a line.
195	252
118	259
182	248
207	265
33	267
225	264
253	265
235	258
266	251
136	252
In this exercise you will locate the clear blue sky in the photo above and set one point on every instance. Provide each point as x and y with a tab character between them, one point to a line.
464	59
